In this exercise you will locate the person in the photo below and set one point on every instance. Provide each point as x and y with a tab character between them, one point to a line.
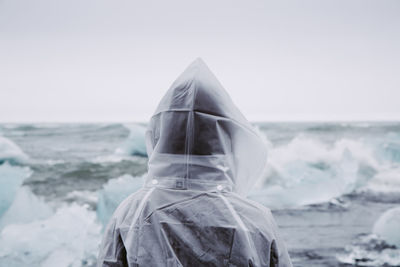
204	156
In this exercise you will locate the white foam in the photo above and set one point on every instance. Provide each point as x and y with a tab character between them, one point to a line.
114	158
82	197
369	250
54	161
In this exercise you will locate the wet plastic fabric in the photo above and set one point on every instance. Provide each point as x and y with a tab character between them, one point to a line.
203	158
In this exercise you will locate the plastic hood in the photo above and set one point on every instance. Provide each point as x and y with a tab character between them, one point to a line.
197	139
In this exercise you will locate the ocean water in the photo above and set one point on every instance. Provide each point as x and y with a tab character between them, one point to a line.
334	189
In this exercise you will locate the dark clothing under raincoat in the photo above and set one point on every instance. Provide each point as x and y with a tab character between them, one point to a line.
203	158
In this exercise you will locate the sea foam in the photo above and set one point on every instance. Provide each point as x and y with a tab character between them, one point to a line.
369	250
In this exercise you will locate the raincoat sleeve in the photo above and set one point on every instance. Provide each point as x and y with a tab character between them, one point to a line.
112	250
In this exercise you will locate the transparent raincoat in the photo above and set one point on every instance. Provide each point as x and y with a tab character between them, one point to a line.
203	158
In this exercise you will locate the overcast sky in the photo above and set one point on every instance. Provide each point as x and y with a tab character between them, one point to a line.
110	60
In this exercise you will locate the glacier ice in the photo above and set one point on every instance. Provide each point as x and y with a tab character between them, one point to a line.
25	208
386	181
113	192
135	143
10	152
69	237
306	171
11	178
388	149
387	226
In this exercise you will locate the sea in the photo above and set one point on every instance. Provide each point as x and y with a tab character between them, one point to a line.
333	188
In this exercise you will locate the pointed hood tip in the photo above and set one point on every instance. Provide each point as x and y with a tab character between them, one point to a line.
193	70
199	61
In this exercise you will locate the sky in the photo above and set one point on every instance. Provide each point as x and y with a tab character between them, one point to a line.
112	60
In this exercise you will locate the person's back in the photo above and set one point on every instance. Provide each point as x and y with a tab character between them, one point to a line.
203	158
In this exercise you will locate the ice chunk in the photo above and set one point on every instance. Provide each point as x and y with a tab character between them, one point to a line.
387	226
10	152
70	237
11	178
25	208
114	192
306	171
386	181
135	144
388	148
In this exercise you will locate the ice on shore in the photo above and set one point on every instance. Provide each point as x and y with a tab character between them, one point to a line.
387	227
113	192
32	234
11	178
10	152
386	181
69	237
306	171
25	208
135	143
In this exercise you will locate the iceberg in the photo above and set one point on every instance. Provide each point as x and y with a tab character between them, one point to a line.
306	171
113	193
386	181
388	148
387	226
10	152
69	237
11	178
135	144
25	208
